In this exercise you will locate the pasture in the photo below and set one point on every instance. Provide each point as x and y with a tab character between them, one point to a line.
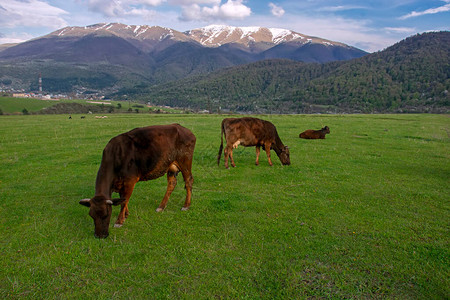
361	214
16	106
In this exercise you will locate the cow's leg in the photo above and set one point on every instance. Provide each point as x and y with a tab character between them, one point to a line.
225	156
232	160
126	192
228	154
171	183
267	146
185	166
188	181
258	150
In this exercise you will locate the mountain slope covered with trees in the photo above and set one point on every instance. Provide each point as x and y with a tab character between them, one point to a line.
410	76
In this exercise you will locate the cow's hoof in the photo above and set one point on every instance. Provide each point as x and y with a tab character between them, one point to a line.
118	225
184	208
159	209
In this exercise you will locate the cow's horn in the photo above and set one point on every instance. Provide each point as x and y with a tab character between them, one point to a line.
109	202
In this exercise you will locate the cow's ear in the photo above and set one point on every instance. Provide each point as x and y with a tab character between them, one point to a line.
85	202
117	201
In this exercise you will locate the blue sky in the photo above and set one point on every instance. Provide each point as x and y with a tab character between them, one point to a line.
369	25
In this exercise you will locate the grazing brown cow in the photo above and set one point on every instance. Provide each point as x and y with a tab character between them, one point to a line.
139	155
251	132
314	134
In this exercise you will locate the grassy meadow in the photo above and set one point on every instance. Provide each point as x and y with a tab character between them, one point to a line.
10	105
361	214
16	106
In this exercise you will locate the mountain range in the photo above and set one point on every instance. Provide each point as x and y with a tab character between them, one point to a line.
241	69
108	57
411	76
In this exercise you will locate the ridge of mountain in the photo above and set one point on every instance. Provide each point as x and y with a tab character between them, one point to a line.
124	56
218	35
208	36
144	37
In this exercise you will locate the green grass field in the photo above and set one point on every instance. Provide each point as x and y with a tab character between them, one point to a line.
10	105
361	214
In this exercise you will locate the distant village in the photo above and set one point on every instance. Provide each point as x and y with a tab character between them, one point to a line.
56	97
42	95
96	99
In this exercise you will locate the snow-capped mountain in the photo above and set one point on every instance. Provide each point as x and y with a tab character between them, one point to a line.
218	35
144	37
122	30
118	55
209	36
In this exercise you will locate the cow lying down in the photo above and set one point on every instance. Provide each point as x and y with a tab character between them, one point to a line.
314	134
139	155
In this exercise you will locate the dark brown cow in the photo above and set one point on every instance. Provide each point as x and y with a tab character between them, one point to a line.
314	134
139	155
250	132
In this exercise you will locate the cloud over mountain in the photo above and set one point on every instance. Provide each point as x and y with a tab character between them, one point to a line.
276	10
232	9
36	13
430	11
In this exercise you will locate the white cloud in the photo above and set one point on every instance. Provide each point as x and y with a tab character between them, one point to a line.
235	9
339	8
123	8
276	10
148	2
191	2
105	7
408	30
430	11
232	9
14	38
31	13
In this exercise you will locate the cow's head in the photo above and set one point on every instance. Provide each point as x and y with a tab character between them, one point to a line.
284	156
100	210
326	129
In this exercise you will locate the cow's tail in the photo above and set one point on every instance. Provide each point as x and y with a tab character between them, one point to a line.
221	143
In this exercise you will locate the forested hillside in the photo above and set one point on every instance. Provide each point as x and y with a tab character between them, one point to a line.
410	76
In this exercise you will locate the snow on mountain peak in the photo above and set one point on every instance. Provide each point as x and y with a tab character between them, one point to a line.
280	35
210	36
139	32
216	35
